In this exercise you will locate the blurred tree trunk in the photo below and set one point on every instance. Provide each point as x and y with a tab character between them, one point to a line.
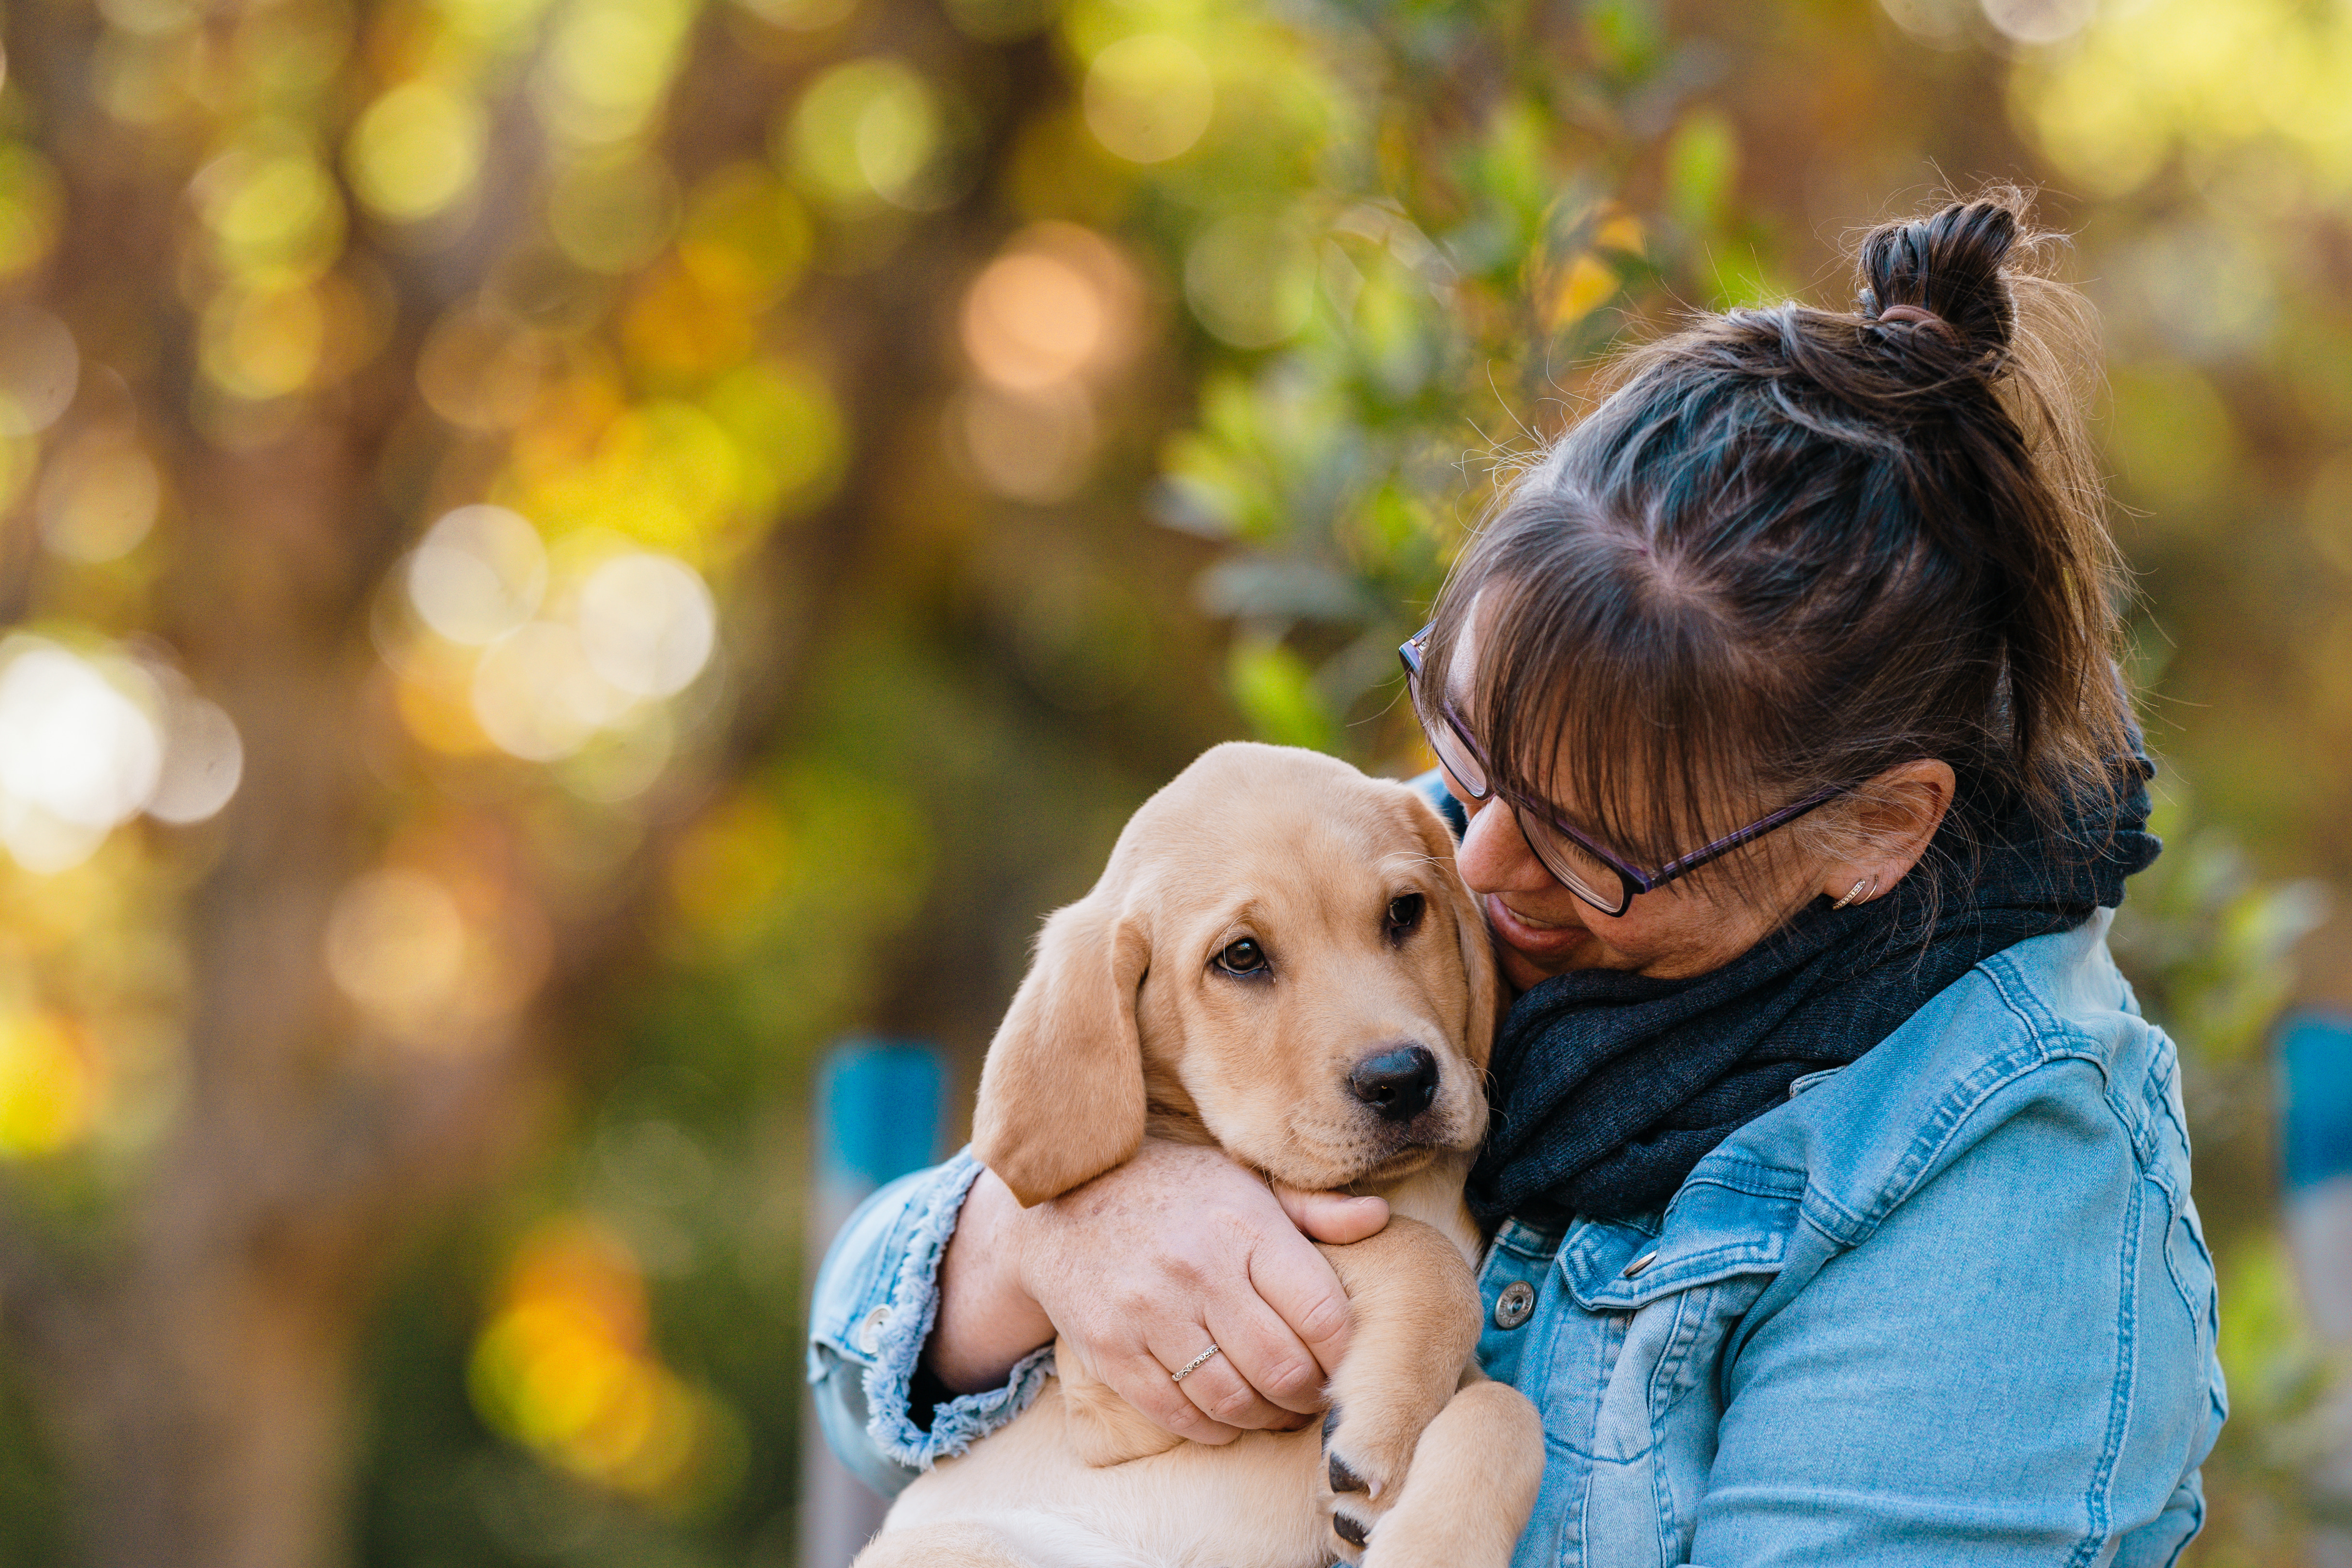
213	1424
196	1366
197	1373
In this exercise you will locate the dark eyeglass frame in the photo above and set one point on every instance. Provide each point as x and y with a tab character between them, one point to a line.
1631	881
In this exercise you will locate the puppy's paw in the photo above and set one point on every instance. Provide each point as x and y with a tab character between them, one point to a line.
1367	1449
1364	1464
1477	1470
1350	1532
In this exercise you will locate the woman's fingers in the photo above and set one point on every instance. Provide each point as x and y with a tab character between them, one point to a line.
1216	1387
1333	1217
1143	1267
1268	1358
1143	1382
1291	1277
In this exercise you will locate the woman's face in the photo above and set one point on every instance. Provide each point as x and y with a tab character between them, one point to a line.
1690	926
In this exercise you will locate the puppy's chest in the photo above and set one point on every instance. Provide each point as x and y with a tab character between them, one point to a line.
1433	1196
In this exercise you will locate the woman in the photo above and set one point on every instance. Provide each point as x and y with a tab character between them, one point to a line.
1840	1195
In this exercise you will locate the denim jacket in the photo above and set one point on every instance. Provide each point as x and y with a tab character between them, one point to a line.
1950	1304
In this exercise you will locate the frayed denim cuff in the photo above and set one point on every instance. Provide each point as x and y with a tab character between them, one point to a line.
876	1299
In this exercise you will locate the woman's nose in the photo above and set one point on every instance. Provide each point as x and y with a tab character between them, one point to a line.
1493	857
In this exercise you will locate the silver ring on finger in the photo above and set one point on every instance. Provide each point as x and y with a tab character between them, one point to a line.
1195	1364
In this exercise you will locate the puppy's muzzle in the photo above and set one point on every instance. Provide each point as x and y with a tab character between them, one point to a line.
1398	1084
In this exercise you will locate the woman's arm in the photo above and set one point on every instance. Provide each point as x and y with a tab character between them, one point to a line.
1143	1268
869	1312
1149	1262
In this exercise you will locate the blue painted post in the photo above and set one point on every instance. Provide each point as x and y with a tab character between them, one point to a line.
879	1112
2314	1052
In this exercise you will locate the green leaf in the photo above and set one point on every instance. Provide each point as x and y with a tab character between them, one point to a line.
1275	693
1702	161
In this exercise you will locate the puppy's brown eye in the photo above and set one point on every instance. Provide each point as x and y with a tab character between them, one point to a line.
1242	957
1404	915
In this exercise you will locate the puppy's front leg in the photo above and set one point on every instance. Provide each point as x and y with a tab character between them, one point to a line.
1416	1316
1472	1485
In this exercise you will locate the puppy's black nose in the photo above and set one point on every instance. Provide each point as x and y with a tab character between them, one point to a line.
1398	1084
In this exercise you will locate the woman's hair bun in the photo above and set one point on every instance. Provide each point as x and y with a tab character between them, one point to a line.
1948	265
1794	548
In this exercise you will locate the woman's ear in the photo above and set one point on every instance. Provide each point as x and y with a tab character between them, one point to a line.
1895	816
1470	931
1061	1095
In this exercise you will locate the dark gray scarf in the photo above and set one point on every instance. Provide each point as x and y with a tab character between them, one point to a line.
1608	1086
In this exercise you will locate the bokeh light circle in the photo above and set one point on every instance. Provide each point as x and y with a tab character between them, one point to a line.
2039	21
1149	98
97	498
1033	318
537	696
417	150
479	575
871	129
647	623
395	944
1250	279
79	752
39	369
203	761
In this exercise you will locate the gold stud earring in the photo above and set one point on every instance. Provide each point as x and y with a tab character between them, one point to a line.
1855	892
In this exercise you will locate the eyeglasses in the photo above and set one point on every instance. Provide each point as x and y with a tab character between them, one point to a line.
1593	873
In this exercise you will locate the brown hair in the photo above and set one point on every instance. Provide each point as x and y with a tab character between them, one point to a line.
1794	548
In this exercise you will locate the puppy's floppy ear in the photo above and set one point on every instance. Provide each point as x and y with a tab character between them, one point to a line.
1061	1095
1470	931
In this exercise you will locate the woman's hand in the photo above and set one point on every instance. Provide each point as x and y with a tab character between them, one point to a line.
1143	1268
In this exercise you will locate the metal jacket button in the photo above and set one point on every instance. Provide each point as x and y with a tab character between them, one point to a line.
1639	1263
1514	1305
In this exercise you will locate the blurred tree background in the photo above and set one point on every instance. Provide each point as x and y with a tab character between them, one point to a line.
561	554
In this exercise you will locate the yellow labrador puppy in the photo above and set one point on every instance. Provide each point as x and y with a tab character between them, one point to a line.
1279	961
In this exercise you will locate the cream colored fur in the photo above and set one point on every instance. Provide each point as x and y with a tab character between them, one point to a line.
1125	1026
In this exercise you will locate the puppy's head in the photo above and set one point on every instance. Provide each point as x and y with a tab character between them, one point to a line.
1279	946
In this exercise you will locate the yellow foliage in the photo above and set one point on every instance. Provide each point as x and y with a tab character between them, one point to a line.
565	1368
1588	284
432	692
276	217
1623	231
563	427
731	865
663	473
2197	77
789	434
264	343
29	205
613	214
745	235
488	21
417	150
864	132
1149	97
47	1090
691	321
608	65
